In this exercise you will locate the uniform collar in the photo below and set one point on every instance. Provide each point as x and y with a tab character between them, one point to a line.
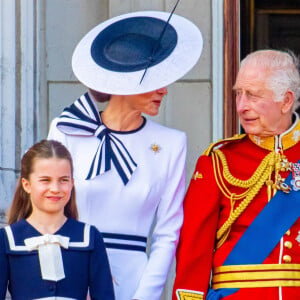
284	141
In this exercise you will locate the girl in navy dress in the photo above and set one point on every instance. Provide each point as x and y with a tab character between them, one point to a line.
45	253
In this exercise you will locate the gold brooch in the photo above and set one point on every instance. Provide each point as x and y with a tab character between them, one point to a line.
155	148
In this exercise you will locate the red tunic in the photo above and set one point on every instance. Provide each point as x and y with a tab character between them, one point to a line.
206	209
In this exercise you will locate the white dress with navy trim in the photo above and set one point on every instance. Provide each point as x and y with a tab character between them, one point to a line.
124	213
85	264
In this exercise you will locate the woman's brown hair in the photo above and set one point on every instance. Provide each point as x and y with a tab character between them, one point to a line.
21	205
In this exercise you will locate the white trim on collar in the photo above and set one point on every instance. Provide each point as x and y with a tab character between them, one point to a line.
14	247
86	238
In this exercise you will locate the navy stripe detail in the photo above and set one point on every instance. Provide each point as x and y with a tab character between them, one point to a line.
125	247
87	120
95	112
129	237
121	154
76	126
89	176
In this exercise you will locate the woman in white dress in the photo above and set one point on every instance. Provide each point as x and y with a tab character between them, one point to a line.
130	171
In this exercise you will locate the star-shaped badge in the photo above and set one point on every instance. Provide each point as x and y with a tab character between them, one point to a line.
155	148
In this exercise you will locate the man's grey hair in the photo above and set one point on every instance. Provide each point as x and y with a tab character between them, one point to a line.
283	71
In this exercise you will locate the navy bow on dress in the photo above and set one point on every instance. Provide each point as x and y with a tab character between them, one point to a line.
82	118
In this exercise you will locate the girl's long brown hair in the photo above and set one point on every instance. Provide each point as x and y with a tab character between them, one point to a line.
21	205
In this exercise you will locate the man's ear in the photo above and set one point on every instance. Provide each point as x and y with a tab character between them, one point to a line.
26	185
287	102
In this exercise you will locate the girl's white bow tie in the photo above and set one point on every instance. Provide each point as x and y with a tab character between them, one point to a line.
50	257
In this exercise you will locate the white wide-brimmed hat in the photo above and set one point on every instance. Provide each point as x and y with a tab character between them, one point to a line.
137	53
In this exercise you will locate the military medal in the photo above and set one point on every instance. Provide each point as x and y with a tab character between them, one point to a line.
295	182
189	295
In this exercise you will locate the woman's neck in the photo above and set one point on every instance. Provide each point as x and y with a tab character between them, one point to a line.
118	116
46	223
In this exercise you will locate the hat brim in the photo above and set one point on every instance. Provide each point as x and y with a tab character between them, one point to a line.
175	65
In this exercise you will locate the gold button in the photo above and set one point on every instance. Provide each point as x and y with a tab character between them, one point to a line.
287	258
288	244
288	232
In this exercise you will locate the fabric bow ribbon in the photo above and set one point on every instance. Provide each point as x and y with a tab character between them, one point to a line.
50	256
82	118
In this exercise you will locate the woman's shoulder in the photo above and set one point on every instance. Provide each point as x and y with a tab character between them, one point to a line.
54	122
54	133
81	231
165	130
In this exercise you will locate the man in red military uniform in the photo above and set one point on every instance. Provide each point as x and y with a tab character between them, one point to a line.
241	233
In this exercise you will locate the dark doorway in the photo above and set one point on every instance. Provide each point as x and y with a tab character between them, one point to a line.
270	24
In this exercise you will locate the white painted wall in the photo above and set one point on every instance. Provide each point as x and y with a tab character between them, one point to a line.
7	102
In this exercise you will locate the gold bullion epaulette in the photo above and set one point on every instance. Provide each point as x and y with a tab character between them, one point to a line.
221	142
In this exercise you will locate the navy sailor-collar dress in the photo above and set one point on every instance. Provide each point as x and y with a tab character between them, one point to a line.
85	264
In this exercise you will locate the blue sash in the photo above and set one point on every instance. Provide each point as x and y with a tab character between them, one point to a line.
266	230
